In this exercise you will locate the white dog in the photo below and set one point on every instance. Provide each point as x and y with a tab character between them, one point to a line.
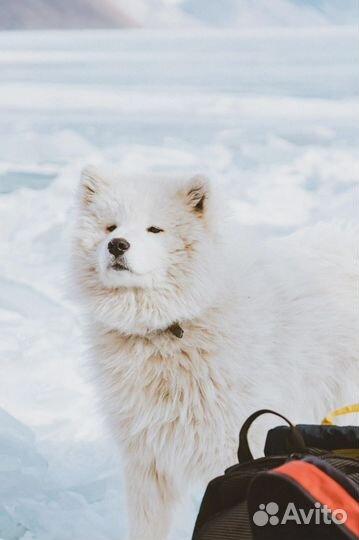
191	333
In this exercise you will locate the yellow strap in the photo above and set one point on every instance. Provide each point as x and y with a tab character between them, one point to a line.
329	420
350	452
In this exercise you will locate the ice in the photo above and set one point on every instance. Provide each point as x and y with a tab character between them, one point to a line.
270	113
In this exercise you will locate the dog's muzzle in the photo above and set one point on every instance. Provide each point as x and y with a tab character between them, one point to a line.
117	247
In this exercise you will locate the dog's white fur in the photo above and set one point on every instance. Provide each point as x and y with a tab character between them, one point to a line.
275	331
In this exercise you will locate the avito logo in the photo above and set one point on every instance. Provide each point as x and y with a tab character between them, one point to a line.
267	514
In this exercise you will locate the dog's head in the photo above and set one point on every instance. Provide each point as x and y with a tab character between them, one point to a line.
143	231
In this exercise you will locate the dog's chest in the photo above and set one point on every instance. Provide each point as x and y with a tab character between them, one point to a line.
158	382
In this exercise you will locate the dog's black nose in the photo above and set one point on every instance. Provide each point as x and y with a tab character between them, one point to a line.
118	246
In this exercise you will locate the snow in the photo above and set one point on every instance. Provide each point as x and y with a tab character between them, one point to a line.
271	114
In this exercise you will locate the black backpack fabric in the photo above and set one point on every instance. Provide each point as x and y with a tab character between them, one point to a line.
296	492
341	440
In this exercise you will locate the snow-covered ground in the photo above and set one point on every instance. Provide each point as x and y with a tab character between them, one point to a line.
271	113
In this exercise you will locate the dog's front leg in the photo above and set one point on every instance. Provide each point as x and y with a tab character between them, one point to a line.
151	498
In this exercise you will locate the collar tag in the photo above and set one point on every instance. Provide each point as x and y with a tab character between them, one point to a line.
176	330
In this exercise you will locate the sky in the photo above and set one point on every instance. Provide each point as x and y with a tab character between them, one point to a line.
241	13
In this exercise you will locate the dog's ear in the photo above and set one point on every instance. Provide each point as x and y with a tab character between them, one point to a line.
197	193
91	180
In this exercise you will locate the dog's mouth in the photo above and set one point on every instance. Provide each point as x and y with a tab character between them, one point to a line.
119	265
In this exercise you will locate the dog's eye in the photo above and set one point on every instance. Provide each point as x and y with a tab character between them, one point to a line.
154	230
111	228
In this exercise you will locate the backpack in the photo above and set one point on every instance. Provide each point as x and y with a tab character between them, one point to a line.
305	488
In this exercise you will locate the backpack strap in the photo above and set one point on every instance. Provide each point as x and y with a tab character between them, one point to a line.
296	440
329	420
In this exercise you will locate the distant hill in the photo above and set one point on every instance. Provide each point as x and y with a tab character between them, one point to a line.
46	14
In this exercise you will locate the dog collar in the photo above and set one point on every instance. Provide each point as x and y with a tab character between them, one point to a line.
176	330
